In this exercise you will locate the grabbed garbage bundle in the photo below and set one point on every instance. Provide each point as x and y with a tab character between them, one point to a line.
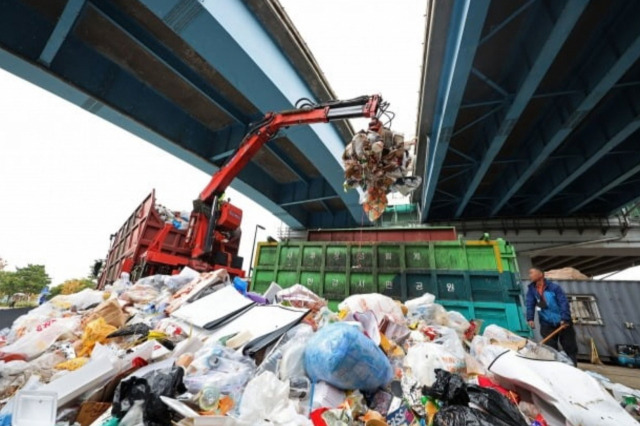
379	162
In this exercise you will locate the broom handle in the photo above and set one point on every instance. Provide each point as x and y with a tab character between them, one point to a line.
556	331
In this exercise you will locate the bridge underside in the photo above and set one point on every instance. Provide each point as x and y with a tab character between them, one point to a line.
530	109
591	245
190	77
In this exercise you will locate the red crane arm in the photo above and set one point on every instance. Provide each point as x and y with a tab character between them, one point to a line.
366	106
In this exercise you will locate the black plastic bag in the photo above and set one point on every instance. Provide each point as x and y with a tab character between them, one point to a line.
449	388
497	404
149	389
458	415
128	392
162	383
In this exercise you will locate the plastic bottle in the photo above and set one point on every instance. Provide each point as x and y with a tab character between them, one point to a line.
209	397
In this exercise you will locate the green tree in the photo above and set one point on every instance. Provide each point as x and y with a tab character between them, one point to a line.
54	291
3	264
32	278
8	283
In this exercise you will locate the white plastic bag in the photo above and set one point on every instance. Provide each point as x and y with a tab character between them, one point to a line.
380	304
419	302
266	402
81	300
36	342
458	322
424	358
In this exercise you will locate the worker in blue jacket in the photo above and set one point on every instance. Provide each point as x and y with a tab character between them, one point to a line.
552	305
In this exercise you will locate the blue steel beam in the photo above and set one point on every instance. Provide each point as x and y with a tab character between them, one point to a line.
466	25
612	67
67	19
305	192
628	174
254	65
275	150
227	138
495	30
597	146
545	57
169	59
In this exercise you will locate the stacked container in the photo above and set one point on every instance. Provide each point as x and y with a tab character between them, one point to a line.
477	278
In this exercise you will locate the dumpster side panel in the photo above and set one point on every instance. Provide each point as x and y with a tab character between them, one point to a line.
469	275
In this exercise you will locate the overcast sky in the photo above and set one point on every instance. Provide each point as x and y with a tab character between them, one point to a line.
69	179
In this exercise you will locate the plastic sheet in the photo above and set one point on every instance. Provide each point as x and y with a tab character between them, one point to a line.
341	355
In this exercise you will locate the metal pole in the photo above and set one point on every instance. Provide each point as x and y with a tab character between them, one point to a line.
253	248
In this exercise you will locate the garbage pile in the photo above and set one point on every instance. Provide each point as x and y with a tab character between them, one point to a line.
379	162
200	349
179	220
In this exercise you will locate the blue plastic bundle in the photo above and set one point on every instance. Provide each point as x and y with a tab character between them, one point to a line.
344	357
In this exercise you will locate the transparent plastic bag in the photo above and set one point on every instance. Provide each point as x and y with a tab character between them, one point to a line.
458	322
301	297
292	363
140	293
230	370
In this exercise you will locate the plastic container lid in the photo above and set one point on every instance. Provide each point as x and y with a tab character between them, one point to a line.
35	408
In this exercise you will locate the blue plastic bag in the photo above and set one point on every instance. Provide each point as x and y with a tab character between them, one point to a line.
344	357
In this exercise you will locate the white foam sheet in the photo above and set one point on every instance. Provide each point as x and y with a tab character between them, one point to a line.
212	307
87	377
260	321
573	393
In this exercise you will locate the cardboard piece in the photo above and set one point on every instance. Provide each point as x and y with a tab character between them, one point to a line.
110	311
90	411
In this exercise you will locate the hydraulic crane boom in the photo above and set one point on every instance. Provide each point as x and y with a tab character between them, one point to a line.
203	228
261	133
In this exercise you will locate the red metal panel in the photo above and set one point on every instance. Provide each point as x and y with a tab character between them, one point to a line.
134	237
384	235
